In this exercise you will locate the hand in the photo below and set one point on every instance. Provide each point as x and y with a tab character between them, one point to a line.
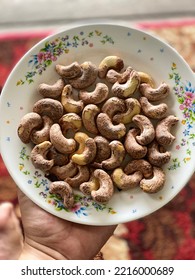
49	237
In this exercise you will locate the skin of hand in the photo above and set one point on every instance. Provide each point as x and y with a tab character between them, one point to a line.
49	237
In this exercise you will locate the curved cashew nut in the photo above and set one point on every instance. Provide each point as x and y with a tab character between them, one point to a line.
114	76
146	78
59	159
81	177
70	105
139	165
64	171
97	96
39	156
154	94
61	143
112	106
28	122
89	115
106	189
109	62
108	129
147	129
157	155
69	71
87	187
64	190
132	108
70	121
51	91
156	183
124	181
117	155
153	111
103	150
163	127
87	78
133	148
49	107
39	136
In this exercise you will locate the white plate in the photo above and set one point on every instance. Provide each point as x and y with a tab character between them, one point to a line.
92	43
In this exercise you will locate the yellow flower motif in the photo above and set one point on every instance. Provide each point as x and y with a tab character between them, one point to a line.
66	51
183	121
21	166
188	158
174	65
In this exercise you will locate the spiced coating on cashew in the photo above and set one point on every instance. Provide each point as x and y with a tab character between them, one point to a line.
41	135
113	106
69	103
97	96
91	185
157	155
27	124
70	121
89	115
163	130
49	107
133	148
64	171
103	151
147	129
64	190
117	155
153	111
59	159
154	94
124	181
109	62
39	156
81	177
154	184
69	71
139	165
51	91
114	76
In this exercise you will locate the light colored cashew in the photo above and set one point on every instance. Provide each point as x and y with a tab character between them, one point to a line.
109	62
87	149
147	129
41	135
60	142
39	156
163	130
27	123
64	171
156	183
124	181
108	129
97	96
139	165
114	76
154	94
81	177
49	107
127	88
103	151
153	111
133	148
51	91
87	187
69	71
59	159
70	121
112	106
106	189
64	190
117	155
89	115
87	78
157	155
70	105
146	78
132	108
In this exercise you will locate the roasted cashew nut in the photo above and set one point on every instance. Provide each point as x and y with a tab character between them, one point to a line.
69	71
108	129
97	96
28	123
147	129
154	94
114	76
60	142
109	62
89	115
59	159
64	190
64	171
139	165
124	181
112	106
106	189
146	78
81	177
133	148
153	111
157	155
51	91
163	128
70	105
87	78
39	156
70	121
156	183
49	107
41	135
103	151
117	155
87	187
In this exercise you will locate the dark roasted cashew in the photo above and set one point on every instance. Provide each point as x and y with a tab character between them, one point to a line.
156	183
139	165
64	190
41	135
117	155
89	115
88	186
147	129
153	111
112	106
97	96
103	151
39	156
114	76
163	127
65	171
154	94
133	148
146	79
51	91
70	121
157	155
28	122
81	177
70	105
69	71
109	62
59	159
49	107
124	181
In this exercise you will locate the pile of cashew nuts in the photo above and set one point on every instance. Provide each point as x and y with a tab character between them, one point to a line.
90	134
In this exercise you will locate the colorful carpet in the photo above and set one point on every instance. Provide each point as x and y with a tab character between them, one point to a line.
169	233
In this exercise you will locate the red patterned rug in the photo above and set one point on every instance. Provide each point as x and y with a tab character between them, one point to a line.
169	233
